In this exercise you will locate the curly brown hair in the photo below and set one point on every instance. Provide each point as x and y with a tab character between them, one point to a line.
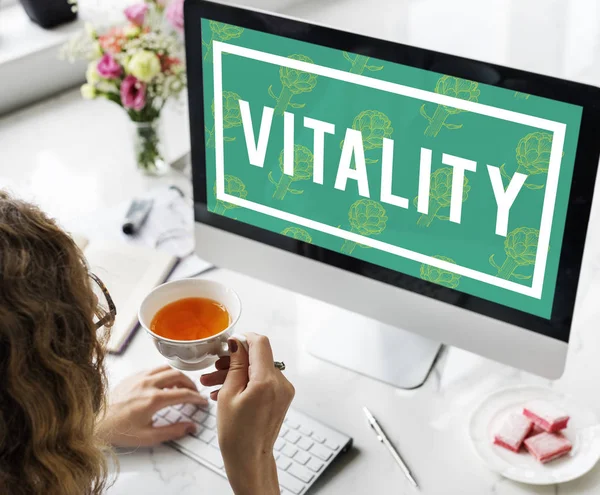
52	376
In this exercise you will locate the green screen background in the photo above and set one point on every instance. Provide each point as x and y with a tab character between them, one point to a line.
412	124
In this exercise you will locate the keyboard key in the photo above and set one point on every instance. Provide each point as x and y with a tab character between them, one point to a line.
331	444
305	443
215	443
206	436
188	410
305	431
279	443
315	465
289	450
290	423
292	436
177	406
321	452
302	457
276	455
163	412
318	438
199	430
300	472
289	482
283	463
283	431
199	416
210	422
201	450
173	416
160	422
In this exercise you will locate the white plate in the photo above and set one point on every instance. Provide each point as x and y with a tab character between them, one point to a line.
583	431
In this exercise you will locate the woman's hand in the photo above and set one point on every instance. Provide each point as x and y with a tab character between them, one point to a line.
128	420
253	402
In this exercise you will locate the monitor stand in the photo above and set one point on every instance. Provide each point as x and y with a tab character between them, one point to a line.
388	354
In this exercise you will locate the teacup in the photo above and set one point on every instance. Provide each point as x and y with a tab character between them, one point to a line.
191	355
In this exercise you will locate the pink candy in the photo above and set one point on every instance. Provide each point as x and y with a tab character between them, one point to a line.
537	428
546	447
513	431
547	416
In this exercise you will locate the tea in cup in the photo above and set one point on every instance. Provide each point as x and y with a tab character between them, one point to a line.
190	321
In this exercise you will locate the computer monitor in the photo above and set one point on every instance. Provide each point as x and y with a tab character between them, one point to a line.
445	198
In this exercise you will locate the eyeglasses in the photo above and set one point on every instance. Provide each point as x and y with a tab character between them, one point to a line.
106	309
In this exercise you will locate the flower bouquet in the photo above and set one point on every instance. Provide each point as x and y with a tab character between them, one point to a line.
139	66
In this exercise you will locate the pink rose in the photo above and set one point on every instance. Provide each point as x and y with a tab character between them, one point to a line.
136	13
108	67
133	93
174	14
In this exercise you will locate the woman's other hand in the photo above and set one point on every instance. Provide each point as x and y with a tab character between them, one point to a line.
253	402
128	420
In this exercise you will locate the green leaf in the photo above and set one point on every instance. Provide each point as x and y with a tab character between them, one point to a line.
271	180
452	126
521	277
348	57
416	201
424	113
374	68
295	191
534	186
442	217
370	160
271	94
341	144
297	105
229	139
493	263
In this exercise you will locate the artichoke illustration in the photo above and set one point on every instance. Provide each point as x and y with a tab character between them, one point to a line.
293	82
533	156
456	88
440	276
221	32
374	126
521	96
440	192
368	218
297	233
232	116
233	186
520	247
359	64
303	170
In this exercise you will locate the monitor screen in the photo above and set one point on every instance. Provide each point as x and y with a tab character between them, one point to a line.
439	184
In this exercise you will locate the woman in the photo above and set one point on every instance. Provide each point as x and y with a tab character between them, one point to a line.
55	424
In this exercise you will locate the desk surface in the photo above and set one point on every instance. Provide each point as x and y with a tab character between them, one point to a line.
74	158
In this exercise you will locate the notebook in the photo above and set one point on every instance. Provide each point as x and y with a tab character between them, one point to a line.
129	272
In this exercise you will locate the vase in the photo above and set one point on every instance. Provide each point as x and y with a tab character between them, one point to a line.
148	145
50	13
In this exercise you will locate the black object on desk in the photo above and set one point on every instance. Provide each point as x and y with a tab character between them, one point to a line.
137	215
50	13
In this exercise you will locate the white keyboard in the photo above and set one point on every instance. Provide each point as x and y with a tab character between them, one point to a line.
304	449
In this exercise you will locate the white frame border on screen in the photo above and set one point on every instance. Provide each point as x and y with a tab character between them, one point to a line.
557	128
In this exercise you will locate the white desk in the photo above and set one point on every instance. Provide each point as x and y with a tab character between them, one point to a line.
51	152
74	158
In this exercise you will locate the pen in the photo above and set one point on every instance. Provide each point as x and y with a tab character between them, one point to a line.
381	436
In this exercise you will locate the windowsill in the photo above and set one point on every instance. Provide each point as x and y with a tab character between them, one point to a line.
30	68
20	37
